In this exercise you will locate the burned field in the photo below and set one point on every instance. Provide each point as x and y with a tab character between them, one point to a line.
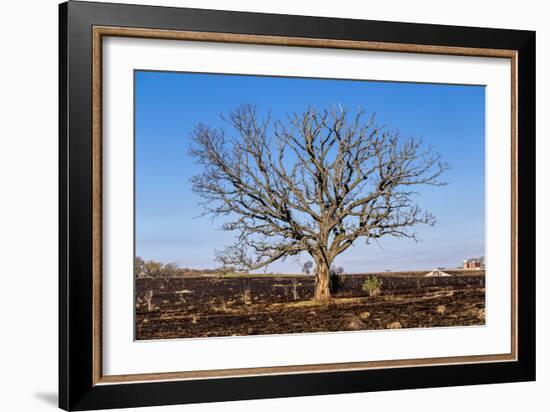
207	306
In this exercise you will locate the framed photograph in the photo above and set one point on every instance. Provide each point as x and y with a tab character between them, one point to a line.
256	206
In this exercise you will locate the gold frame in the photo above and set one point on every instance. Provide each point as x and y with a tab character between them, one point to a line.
101	31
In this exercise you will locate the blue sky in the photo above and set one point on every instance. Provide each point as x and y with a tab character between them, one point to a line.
450	118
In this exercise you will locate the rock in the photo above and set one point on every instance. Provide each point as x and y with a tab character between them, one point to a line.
364	315
394	325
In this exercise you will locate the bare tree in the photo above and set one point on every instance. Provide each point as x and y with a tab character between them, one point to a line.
315	184
295	284
148	297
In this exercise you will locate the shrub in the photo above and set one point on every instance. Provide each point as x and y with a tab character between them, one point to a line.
372	286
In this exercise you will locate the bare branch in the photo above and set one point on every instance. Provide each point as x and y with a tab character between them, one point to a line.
314	183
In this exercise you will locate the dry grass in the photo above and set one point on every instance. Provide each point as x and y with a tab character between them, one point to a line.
441	309
183	292
313	303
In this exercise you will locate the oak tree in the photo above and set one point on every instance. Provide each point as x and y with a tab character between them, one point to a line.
314	183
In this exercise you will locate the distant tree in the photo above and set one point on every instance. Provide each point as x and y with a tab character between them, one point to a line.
152	269
315	184
139	267
336	270
306	268
170	270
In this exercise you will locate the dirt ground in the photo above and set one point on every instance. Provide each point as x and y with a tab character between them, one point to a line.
207	306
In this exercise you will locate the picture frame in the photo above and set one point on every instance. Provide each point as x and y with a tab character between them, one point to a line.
82	28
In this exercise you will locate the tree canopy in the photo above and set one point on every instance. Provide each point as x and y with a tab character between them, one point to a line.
314	183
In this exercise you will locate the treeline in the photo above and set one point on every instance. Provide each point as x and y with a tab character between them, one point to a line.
153	269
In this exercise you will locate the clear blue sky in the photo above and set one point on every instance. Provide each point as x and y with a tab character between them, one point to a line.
168	105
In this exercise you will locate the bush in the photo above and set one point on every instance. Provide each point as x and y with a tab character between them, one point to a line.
372	286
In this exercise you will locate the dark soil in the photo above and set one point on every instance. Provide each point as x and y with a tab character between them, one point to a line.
205	306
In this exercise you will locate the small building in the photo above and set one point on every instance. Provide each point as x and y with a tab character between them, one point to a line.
475	263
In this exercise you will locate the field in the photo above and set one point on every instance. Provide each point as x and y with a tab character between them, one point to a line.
210	305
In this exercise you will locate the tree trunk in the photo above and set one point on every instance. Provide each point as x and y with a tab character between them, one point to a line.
322	283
